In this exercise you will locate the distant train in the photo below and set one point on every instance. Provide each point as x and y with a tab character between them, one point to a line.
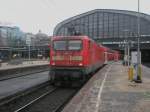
74	58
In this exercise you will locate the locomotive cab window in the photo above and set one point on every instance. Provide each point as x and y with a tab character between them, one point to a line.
74	45
60	45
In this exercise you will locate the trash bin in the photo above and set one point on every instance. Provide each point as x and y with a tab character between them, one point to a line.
130	73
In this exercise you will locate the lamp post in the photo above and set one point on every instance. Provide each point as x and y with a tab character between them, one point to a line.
126	53
138	79
130	45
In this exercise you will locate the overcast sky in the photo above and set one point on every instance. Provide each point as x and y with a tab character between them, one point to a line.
32	15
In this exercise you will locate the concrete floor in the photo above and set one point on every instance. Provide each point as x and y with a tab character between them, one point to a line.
110	91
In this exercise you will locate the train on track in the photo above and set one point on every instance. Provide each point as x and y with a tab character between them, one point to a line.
75	58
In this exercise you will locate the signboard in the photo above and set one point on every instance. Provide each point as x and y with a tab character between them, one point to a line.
134	55
28	40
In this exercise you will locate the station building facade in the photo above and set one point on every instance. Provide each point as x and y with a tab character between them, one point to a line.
105	23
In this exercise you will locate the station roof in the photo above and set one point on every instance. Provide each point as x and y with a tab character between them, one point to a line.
125	12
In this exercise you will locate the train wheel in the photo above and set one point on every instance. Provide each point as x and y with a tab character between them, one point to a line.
84	78
76	84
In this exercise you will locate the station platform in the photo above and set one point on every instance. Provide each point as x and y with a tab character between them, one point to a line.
15	85
109	90
6	66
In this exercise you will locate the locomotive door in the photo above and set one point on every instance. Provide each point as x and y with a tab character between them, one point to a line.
67	58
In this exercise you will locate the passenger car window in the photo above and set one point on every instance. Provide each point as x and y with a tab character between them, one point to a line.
90	44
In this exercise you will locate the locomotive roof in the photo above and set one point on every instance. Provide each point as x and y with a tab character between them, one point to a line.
70	37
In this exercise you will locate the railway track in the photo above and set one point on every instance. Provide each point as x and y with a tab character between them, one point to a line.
14	102
35	100
42	98
52	101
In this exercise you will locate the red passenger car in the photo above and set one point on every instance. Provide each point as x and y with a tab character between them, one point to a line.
116	55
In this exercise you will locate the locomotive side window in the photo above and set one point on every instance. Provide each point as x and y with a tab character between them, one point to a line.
60	45
74	45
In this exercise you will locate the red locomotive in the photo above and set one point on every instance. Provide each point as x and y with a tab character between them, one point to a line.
75	57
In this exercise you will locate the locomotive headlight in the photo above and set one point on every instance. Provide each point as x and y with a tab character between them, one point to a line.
80	64
53	63
76	58
57	58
